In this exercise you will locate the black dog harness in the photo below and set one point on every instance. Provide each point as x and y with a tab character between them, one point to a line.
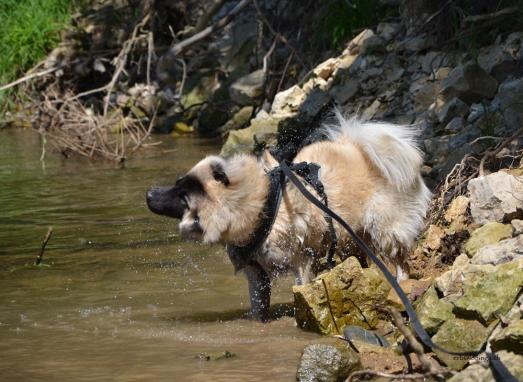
309	172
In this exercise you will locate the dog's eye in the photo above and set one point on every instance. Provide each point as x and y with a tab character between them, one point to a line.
219	174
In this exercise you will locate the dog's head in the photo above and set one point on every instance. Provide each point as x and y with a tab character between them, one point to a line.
217	200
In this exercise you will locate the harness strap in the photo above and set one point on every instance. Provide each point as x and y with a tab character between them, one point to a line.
499	369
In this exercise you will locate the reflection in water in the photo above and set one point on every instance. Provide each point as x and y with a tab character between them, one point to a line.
122	299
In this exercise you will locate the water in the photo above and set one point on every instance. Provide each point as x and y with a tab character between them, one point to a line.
120	298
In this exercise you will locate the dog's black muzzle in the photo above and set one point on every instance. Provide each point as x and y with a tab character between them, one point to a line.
167	201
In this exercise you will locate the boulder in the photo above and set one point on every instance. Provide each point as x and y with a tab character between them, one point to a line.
509	97
347	293
432	311
330	361
469	83
239	119
461	141
248	90
454	108
345	91
496	197
356	44
286	103
455	125
437	148
494	294
490	233
432	61
461	276
499	253
503	60
263	129
460	336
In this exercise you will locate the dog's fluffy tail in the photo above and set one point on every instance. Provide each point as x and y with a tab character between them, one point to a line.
391	148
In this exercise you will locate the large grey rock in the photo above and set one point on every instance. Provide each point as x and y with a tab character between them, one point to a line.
463	138
510	98
345	91
453	108
455	125
330	361
503	60
432	61
437	147
248	90
470	83
494	294
501	252
496	197
354	293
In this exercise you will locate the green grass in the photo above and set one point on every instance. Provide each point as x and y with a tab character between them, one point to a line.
29	29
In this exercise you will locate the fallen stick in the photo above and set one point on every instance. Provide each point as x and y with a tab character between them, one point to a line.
44	244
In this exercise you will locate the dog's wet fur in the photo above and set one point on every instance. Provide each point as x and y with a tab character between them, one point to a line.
371	175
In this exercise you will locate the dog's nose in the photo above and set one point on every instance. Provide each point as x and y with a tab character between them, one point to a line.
149	195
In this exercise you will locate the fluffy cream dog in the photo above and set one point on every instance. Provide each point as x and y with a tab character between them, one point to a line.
371	175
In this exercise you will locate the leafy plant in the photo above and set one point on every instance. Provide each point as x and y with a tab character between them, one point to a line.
340	19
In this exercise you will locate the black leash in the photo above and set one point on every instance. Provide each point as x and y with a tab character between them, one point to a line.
499	370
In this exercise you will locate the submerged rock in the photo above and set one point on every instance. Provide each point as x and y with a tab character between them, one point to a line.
347	293
330	361
496	197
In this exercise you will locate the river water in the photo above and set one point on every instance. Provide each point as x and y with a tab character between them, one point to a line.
120	297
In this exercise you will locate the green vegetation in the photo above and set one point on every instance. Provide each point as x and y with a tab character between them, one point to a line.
29	29
341	19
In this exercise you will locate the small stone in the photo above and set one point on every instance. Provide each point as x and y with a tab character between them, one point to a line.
493	294
490	233
437	147
496	197
387	31
455	125
412	288
454	108
239	119
470	83
459	336
330	361
500	253
517	225
432	311
372	44
457	209
326	68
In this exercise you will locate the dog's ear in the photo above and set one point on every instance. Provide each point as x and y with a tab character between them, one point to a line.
268	161
219	174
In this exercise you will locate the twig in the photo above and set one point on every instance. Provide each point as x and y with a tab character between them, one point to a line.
121	60
31	76
489	16
265	66
367	372
184	76
492	153
329	305
150	49
207	16
44	244
281	37
184	44
397	319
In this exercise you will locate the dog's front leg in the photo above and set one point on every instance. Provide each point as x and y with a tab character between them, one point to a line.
259	291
